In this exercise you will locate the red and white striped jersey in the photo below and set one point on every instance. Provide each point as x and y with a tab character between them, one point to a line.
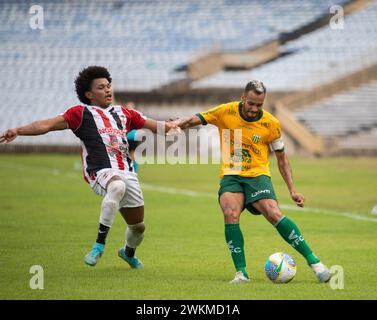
103	135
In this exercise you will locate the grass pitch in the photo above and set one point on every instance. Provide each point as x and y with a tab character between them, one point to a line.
49	217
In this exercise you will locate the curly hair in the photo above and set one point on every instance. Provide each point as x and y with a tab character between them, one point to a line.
85	78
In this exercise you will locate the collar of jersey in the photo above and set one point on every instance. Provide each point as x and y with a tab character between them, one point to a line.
97	107
258	117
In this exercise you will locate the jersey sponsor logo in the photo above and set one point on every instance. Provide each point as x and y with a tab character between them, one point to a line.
253	195
246	153
265	124
114	148
256	138
249	146
239	156
255	150
112	131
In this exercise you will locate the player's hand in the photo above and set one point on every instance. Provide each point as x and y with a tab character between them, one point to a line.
8	136
298	198
172	127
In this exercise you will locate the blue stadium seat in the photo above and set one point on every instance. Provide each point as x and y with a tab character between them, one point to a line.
143	42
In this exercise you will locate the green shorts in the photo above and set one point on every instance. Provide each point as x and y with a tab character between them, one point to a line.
254	189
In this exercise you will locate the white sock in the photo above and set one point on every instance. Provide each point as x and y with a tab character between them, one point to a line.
110	203
318	267
134	234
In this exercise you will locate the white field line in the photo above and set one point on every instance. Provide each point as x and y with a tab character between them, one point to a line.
350	215
191	193
184	192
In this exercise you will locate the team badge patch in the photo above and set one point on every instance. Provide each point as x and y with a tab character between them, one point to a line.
255	138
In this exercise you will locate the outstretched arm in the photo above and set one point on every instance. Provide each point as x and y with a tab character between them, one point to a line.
286	173
153	125
185	123
35	128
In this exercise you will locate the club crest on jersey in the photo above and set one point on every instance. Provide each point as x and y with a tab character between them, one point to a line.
114	148
255	138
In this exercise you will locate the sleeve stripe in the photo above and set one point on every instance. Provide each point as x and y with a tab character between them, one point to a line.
201	118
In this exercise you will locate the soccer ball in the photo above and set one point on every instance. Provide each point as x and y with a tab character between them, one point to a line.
280	268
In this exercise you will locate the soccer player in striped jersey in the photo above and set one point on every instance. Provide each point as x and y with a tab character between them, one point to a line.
247	133
102	129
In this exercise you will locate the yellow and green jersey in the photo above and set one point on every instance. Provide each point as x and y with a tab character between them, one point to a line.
244	144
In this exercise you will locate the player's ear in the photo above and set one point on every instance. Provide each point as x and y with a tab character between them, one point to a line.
89	95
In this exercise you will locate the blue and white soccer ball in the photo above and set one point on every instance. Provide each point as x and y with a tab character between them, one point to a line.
280	267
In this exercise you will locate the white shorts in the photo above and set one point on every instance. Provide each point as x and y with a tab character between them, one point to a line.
133	196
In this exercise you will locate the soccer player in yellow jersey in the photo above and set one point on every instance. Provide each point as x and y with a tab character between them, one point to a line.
247	132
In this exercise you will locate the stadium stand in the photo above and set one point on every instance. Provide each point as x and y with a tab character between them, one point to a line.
147	43
146	39
345	115
361	143
318	57
354	111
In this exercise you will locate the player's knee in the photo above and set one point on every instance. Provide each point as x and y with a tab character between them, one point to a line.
116	189
231	214
138	228
135	234
273	215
